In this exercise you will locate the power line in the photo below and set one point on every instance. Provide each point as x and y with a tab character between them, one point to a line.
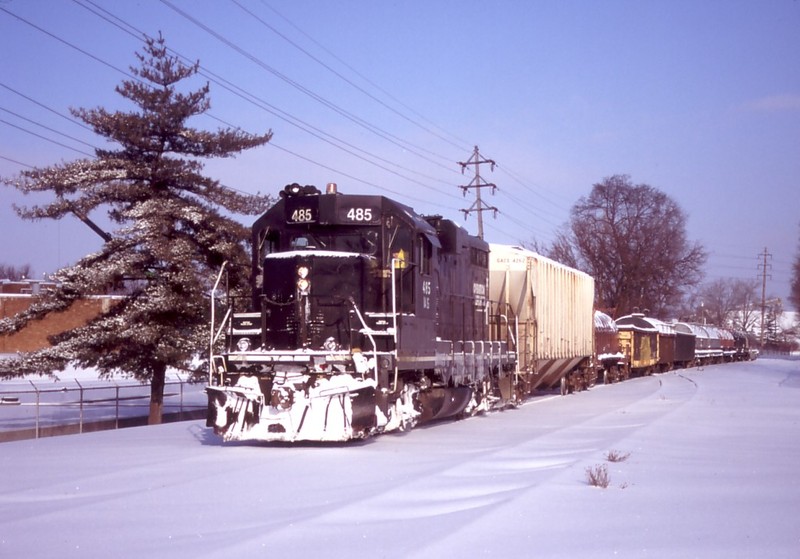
519	180
16	162
462	146
349	82
338	143
125	27
70	45
344	174
55	112
45	138
389	137
26	119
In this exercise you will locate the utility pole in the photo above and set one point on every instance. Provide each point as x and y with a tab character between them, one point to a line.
763	266
477	183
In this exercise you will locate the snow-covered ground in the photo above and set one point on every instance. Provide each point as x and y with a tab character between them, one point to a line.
713	471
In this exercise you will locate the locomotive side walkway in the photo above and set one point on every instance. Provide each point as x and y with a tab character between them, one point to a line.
712	471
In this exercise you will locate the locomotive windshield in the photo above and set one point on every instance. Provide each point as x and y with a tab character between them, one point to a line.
361	240
358	240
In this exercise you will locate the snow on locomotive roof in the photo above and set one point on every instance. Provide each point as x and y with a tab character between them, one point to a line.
328	253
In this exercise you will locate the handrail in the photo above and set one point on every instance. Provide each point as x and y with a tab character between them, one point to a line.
395	261
212	337
368	332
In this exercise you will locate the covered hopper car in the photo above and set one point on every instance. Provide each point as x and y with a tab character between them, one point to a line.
550	306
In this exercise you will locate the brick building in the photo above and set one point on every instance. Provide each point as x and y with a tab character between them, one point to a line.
17	296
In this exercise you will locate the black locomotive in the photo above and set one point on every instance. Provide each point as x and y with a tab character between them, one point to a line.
366	317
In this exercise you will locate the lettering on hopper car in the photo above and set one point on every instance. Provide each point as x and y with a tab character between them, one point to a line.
510	260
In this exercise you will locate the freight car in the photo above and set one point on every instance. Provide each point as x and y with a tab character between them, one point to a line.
674	343
609	361
366	317
679	344
638	340
704	350
742	346
550	308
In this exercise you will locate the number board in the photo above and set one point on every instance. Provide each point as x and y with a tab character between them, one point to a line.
361	214
302	211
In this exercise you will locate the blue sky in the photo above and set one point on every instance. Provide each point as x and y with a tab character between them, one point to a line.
700	99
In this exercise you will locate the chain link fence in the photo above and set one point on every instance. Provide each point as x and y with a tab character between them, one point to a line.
47	409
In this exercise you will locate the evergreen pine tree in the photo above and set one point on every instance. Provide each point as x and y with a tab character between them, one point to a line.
171	236
773	336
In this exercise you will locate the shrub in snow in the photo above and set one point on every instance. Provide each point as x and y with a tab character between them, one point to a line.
617	456
597	476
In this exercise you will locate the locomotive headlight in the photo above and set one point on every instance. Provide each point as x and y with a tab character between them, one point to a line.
243	344
303	283
303	286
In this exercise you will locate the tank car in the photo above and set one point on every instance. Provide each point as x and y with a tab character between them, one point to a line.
548	309
366	317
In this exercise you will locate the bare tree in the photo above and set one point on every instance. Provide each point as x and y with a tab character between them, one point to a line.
562	249
730	302
632	239
745	296
15	273
717	301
